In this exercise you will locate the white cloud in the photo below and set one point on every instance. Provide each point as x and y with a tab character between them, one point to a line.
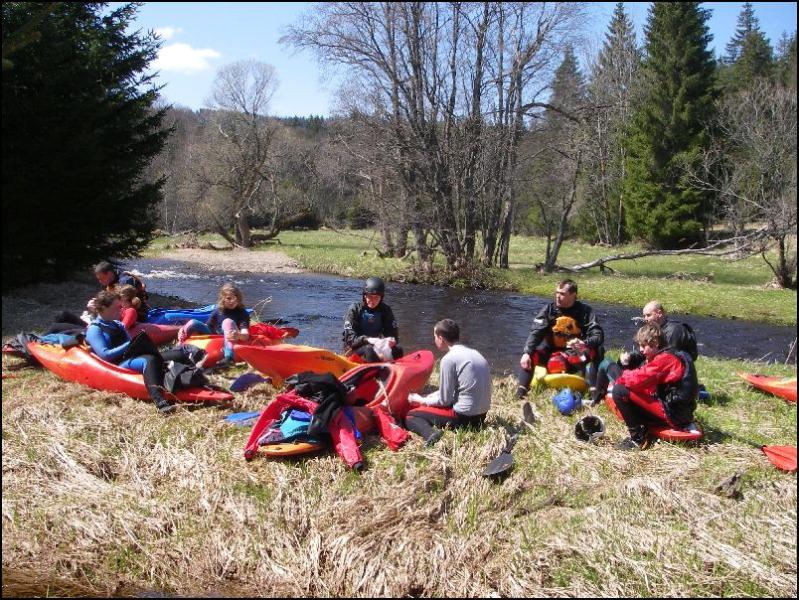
167	33
184	58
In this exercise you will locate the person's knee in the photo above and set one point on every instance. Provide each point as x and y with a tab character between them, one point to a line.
620	394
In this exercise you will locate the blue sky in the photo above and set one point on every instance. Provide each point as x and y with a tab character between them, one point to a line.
200	37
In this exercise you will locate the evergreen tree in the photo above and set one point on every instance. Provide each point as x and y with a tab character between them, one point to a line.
669	127
747	23
785	63
79	129
756	60
611	93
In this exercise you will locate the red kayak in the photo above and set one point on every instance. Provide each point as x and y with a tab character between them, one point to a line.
661	430
784	387
390	383
80	365
280	361
159	334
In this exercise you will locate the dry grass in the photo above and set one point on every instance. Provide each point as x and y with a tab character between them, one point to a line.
101	495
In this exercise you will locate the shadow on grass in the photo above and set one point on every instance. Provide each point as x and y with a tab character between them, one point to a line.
716	399
715	436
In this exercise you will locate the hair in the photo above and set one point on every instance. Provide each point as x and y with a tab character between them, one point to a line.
654	305
651	335
229	288
105	299
103	267
129	294
448	329
569	284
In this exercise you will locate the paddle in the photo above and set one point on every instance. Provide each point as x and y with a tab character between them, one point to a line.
503	463
242	418
246	381
782	457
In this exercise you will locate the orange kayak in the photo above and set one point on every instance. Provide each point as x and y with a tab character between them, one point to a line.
660	430
784	387
266	335
390	383
80	365
280	361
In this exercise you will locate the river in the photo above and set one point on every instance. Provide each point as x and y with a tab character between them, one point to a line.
495	323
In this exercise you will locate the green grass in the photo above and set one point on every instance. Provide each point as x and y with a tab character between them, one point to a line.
701	285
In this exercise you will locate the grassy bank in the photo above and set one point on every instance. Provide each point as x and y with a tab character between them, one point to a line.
102	495
686	284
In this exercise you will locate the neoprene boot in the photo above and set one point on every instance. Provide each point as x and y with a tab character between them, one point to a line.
161	403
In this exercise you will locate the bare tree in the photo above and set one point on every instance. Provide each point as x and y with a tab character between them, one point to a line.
444	78
751	166
239	146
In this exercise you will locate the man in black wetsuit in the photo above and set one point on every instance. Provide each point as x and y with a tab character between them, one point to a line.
565	324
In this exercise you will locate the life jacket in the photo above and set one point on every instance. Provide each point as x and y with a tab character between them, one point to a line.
679	399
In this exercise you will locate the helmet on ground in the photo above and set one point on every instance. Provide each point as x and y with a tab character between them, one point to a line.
589	429
567	401
374	285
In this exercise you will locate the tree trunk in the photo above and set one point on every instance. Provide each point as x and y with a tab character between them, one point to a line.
243	230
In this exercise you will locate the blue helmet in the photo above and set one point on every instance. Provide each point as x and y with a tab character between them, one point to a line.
567	401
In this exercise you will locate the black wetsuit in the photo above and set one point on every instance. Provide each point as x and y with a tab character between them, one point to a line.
362	322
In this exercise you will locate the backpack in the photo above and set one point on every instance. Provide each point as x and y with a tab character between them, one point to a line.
679	399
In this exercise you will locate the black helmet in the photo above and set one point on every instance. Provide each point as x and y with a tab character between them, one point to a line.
374	285
589	429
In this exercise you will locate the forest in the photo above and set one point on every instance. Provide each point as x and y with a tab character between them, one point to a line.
460	125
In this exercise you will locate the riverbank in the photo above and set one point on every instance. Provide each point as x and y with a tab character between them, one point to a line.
698	285
102	495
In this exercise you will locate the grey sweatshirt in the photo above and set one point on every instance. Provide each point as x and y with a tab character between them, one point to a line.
465	382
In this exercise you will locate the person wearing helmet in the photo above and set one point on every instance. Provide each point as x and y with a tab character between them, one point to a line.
565	328
371	323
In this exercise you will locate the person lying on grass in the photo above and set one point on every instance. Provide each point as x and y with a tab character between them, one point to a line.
465	393
662	391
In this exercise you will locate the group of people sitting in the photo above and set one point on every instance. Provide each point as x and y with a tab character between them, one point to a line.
657	382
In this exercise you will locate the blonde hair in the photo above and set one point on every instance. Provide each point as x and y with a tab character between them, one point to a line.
229	288
650	335
129	294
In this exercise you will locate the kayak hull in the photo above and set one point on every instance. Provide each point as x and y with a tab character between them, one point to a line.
213	344
291	449
559	381
79	365
659	430
179	316
280	361
390	383
784	387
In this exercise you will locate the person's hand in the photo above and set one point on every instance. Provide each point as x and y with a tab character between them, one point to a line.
391	342
414	399
373	340
576	344
232	335
90	306
526	362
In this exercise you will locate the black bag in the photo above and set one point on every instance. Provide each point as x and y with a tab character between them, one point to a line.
140	345
179	376
324	389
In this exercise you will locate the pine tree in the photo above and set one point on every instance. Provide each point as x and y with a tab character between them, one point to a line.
747	23
668	127
755	60
611	93
79	129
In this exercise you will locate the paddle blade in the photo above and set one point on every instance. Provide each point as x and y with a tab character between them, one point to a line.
501	465
246	381
242	418
782	457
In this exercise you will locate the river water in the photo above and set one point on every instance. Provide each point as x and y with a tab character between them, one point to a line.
495	323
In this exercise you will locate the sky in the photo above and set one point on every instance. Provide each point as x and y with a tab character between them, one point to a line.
200	37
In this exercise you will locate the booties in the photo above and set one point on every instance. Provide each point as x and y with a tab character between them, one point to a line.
161	403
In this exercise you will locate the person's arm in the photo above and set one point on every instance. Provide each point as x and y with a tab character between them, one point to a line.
352	338
243	322
99	345
129	317
538	330
448	383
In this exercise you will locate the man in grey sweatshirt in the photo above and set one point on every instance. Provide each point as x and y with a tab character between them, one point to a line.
464	395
